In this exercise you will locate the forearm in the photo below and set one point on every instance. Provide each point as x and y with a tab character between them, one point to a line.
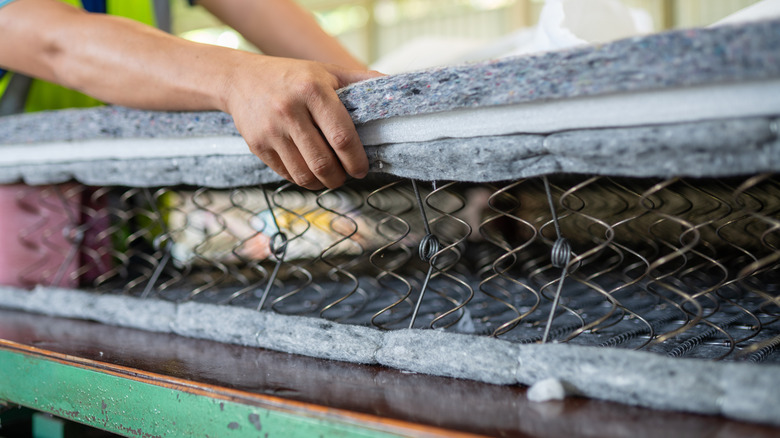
282	28
113	59
287	110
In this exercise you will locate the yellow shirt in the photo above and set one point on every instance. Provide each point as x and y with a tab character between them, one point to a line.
43	95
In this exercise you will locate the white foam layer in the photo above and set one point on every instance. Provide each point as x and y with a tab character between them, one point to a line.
121	149
670	106
618	110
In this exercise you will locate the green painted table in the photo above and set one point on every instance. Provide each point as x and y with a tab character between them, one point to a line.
141	384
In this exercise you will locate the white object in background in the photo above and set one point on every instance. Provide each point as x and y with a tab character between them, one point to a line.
571	23
425	52
547	390
562	24
764	10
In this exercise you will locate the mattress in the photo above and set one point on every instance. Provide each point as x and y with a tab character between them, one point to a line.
690	103
671	96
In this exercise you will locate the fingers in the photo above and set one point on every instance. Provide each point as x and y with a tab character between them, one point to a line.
304	154
319	158
339	131
272	160
282	155
346	77
306	135
324	137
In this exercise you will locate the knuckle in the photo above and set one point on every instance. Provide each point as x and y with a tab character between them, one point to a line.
259	148
284	174
342	139
308	89
261	131
284	108
322	165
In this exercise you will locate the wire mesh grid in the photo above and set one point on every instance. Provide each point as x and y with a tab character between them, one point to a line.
681	267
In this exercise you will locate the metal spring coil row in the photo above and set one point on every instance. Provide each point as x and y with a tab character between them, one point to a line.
682	267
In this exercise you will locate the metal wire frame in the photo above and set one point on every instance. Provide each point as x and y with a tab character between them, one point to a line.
685	268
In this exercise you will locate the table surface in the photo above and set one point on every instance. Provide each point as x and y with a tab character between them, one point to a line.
420	404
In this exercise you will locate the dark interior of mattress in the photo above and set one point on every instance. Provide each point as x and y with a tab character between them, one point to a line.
680	267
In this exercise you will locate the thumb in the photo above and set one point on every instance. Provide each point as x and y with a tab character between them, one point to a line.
347	77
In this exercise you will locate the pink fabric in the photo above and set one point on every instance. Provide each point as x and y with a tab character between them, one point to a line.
37	228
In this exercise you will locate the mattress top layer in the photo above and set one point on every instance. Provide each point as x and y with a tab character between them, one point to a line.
684	58
676	62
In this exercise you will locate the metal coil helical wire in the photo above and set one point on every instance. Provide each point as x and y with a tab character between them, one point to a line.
678	266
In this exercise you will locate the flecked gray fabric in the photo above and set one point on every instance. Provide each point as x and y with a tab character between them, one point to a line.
712	148
675	59
216	172
740	391
437	352
109	122
150	315
667	60
306	336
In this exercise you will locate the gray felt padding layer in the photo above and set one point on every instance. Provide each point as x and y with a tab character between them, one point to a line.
674	60
712	148
112	122
726	147
736	390
683	58
215	171
667	60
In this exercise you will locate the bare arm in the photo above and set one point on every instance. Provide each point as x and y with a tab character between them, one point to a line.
279	105
292	32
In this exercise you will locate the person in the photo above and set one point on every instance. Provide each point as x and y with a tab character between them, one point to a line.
283	102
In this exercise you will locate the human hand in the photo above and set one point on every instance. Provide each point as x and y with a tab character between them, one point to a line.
291	117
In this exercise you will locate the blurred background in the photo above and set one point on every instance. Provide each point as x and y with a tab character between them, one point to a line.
373	29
